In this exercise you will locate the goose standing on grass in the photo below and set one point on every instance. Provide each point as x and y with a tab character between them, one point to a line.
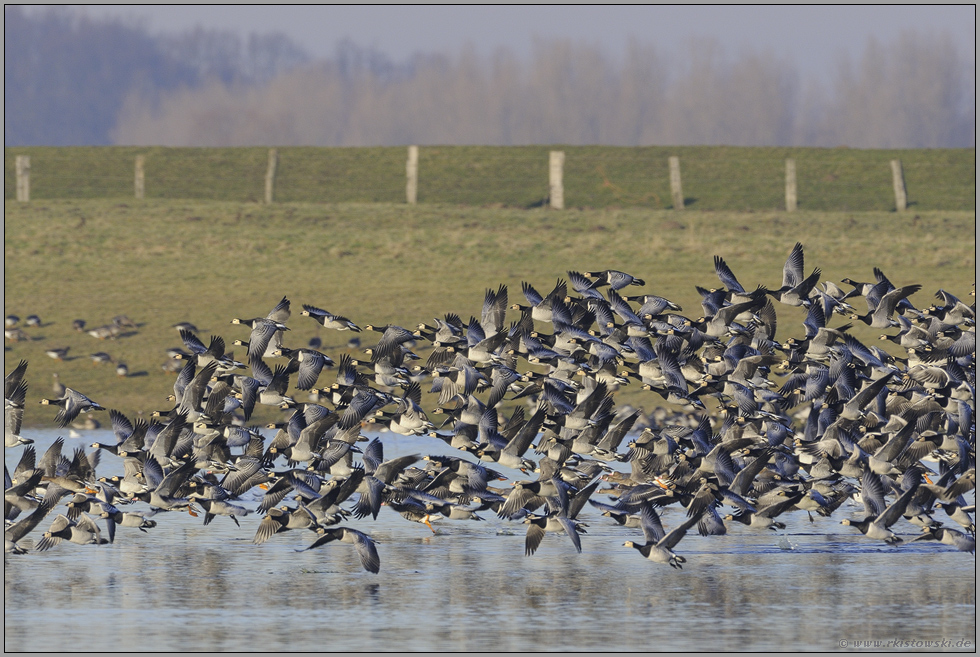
16	334
123	321
100	357
106	332
57	387
57	353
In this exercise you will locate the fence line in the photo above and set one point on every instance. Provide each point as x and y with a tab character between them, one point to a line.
626	179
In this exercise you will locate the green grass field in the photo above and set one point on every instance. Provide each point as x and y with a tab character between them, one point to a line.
162	262
714	178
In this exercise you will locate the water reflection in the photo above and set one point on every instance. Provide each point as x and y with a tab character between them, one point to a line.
183	586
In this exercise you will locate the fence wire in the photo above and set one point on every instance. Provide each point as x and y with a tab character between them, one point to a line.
712	178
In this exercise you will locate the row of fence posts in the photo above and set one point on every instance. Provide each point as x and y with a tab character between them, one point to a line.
556	188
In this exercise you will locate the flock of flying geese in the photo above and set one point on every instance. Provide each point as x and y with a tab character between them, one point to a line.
798	426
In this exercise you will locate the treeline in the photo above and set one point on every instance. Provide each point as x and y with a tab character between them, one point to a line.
214	89
67	77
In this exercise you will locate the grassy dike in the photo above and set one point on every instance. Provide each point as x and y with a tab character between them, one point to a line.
717	178
162	262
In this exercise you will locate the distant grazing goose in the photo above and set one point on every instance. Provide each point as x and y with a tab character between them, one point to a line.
15	334
57	353
109	331
100	357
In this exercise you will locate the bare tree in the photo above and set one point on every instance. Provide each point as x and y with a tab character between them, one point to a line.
909	93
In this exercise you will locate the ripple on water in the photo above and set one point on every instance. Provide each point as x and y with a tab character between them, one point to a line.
469	587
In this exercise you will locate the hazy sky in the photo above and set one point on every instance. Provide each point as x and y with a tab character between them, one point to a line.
811	37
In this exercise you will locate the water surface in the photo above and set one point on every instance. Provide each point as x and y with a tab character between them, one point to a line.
183	586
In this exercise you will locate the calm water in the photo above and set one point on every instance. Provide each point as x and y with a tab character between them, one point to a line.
183	586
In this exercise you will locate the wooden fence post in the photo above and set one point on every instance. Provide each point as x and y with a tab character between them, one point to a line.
139	183
24	178
556	187
675	182
898	182
412	176
790	185
270	174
